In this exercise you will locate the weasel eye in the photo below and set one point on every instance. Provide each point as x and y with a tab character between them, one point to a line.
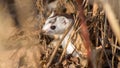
53	27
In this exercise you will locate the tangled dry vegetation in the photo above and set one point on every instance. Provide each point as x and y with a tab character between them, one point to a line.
22	44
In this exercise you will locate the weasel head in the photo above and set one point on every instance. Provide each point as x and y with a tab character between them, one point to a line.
56	25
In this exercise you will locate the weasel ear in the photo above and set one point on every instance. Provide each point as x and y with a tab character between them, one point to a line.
69	20
52	14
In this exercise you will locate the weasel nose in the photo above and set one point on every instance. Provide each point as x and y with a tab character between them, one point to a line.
43	31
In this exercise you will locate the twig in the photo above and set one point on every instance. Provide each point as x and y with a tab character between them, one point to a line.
103	46
113	52
72	33
95	9
114	45
111	18
58	44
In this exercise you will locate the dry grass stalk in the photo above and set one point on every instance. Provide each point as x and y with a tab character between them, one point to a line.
72	33
25	50
56	48
95	9
114	23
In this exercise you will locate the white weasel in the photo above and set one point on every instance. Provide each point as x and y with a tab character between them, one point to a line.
57	25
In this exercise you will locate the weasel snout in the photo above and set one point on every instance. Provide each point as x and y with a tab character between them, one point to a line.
43	31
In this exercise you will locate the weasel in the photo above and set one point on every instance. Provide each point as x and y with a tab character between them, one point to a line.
57	25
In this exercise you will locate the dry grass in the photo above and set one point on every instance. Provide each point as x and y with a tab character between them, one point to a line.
24	45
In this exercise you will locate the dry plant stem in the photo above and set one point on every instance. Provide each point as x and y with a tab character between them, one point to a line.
113	52
97	34
99	63
84	32
103	32
113	45
58	44
103	47
95	9
112	19
64	51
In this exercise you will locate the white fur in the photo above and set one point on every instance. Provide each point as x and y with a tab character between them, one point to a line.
60	29
59	23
